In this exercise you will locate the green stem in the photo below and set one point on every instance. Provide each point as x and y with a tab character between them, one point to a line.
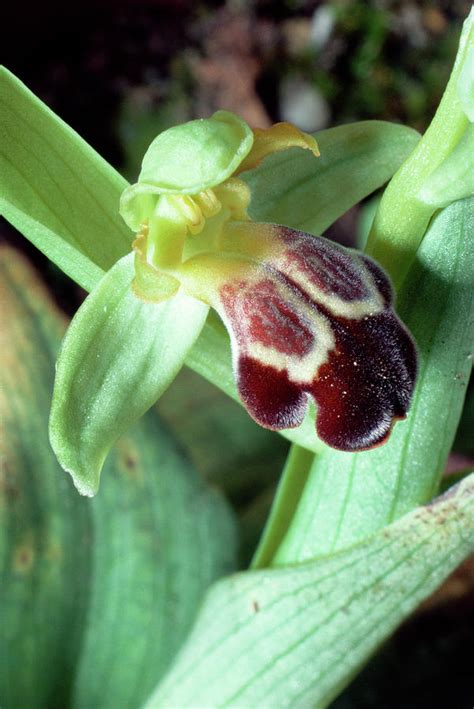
402	218
290	488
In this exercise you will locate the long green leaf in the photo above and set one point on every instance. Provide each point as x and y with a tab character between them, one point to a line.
293	637
348	496
96	596
293	188
44	524
56	189
160	539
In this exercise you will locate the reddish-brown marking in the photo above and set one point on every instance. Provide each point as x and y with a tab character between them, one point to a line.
366	383
258	314
368	379
330	268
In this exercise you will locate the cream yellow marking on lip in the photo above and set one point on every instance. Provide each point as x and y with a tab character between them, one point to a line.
352	309
262	242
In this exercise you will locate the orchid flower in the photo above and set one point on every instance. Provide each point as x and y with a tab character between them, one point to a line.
305	316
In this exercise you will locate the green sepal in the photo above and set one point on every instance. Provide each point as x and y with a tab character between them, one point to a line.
119	355
465	83
56	189
187	159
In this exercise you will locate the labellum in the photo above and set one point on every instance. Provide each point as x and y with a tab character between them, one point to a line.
307	317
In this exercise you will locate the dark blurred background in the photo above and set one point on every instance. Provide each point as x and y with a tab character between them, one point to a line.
121	71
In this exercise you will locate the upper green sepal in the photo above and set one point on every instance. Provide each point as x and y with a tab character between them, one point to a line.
187	159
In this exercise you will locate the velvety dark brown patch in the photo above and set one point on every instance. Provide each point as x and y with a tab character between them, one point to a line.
269	396
366	383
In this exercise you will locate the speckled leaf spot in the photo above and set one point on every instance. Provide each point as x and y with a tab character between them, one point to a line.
308	317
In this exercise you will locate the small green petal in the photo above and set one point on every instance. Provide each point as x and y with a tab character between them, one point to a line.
119	355
137	204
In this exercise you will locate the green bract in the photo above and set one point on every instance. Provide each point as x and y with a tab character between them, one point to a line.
466	74
454	178
187	159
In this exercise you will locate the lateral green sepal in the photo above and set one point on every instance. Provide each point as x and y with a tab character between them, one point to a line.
118	357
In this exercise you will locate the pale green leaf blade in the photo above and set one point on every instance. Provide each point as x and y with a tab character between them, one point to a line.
348	496
161	537
118	357
41	516
293	637
72	261
96	596
55	188
295	189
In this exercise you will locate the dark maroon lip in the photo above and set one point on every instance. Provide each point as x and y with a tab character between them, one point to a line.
367	379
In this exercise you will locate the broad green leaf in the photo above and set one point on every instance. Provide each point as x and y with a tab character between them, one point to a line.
293	637
44	524
119	355
56	189
96	595
294	189
348	496
160	539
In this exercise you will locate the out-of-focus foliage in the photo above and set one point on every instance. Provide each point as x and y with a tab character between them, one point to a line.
96	597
